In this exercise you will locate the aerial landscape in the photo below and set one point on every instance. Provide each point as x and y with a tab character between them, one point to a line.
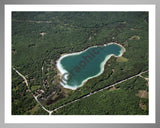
80	63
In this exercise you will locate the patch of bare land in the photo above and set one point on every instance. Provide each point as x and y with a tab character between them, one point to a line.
142	94
42	33
113	88
142	106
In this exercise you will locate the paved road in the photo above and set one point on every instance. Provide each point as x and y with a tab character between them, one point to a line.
50	112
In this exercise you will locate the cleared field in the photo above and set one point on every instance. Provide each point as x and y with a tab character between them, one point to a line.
122	59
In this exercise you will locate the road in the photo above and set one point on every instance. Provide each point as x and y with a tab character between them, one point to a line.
25	80
139	74
50	112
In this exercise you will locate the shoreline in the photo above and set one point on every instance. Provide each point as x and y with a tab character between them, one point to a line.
62	70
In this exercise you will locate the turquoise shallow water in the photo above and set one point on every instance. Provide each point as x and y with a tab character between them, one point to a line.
87	64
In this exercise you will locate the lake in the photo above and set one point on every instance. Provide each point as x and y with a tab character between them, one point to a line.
77	68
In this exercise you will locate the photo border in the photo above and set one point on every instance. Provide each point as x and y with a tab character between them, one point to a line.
2	7
9	118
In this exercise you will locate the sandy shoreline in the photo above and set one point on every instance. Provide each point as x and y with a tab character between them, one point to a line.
62	70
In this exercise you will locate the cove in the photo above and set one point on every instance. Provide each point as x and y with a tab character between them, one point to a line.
76	68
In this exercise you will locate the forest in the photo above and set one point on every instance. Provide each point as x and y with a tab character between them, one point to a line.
40	38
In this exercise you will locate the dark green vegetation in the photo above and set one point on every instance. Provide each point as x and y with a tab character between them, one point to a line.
39	39
111	102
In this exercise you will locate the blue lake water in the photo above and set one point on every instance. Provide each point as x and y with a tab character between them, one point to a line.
76	68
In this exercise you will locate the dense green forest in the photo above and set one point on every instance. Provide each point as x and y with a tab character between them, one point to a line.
40	38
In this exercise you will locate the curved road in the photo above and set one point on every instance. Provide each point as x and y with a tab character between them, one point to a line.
50	112
25	80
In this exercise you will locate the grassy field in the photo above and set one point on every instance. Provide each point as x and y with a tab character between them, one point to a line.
122	59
